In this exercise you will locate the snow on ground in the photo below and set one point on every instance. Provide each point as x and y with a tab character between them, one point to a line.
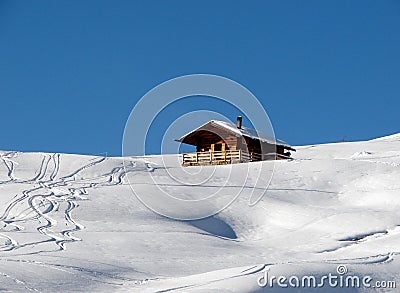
72	223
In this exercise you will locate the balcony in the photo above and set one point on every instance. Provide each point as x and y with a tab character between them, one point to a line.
226	157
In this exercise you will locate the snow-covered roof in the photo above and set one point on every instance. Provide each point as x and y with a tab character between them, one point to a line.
244	131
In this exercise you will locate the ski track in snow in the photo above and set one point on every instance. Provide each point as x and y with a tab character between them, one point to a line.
77	272
10	164
42	203
248	271
19	282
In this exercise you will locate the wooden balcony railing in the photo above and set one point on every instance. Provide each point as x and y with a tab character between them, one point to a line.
225	157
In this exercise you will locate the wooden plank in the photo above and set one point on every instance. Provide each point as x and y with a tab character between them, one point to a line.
217	157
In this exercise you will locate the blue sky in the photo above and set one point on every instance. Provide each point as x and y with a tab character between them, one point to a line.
71	71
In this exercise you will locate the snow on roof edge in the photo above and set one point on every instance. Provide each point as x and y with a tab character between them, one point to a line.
244	131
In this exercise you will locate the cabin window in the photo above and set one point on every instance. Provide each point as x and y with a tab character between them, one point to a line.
218	147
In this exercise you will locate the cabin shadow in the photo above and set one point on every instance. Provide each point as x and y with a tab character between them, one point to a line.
215	227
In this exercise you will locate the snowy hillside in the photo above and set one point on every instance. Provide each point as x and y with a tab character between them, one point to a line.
72	223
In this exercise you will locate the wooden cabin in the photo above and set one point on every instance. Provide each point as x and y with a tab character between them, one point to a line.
220	142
